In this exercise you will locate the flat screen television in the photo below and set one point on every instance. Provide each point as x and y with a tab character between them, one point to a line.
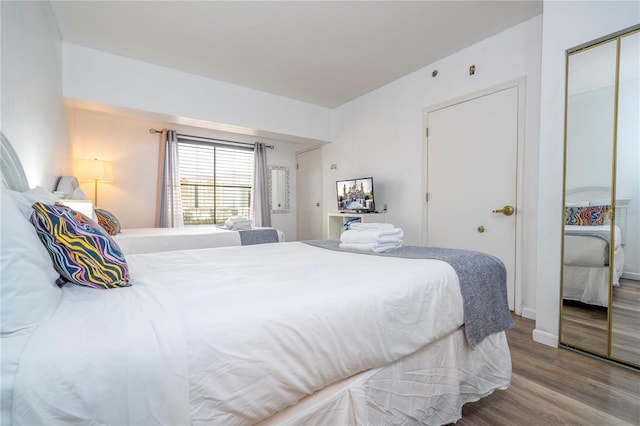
355	195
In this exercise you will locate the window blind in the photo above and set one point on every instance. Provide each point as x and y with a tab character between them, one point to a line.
215	181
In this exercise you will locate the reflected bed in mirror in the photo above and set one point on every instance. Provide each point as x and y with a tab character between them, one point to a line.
278	189
588	235
586	267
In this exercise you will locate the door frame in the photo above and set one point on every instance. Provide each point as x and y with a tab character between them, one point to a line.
520	84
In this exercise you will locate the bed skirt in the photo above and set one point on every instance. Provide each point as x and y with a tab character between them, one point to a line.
590	284
427	387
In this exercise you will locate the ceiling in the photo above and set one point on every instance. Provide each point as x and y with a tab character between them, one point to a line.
321	52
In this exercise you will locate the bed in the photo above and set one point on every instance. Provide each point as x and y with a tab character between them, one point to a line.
284	333
151	240
587	240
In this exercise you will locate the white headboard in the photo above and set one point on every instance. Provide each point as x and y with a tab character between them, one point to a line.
13	176
600	195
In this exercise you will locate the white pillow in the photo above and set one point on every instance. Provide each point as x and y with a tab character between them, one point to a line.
28	292
24	200
78	194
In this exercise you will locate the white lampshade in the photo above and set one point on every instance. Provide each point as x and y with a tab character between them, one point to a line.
95	169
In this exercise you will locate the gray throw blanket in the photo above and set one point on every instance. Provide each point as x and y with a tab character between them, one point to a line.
483	284
258	236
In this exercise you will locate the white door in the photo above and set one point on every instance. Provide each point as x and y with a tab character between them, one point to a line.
309	194
471	172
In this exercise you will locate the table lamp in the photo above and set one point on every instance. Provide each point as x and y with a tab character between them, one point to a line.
95	170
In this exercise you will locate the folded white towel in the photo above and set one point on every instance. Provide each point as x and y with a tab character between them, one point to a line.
372	225
244	223
373	247
238	219
372	236
239	227
238	223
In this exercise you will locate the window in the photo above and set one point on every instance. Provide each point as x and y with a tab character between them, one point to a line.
215	181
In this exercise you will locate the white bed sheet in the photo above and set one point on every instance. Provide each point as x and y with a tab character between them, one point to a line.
239	333
105	357
152	240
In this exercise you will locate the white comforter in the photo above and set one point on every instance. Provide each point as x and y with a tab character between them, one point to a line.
228	335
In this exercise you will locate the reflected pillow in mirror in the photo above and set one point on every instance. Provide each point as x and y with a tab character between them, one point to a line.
586	216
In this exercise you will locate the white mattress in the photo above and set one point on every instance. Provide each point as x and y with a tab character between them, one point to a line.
152	240
229	335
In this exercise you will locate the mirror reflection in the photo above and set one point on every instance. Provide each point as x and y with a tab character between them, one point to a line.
625	312
588	171
600	311
279	189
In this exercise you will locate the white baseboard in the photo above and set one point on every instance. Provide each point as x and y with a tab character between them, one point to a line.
545	338
631	276
528	313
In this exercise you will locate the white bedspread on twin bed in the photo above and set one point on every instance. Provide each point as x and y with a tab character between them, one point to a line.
586	250
237	333
152	240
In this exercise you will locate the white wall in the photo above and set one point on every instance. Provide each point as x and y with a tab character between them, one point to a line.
590	146
127	142
627	168
104	78
565	25
380	133
163	97
33	113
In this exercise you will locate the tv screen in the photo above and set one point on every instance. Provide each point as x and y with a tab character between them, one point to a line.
355	195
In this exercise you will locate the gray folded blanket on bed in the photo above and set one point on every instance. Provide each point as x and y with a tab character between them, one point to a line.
258	236
483	284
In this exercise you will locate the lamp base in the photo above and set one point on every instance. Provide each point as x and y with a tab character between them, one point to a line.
95	192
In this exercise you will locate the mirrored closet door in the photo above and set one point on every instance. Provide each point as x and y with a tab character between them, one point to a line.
600	303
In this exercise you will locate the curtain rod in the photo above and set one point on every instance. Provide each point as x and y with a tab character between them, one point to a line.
210	139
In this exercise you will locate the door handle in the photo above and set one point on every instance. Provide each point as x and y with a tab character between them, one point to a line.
317	204
506	210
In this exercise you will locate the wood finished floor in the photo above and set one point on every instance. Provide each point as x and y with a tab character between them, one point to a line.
585	326
555	386
625	335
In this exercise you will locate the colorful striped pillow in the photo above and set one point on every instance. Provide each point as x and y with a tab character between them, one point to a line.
108	221
82	252
586	216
